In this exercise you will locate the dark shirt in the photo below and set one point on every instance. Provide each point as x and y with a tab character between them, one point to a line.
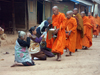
24	43
45	26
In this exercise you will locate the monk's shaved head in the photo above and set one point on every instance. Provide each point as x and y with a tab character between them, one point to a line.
56	7
83	13
89	14
75	11
96	15
55	10
69	14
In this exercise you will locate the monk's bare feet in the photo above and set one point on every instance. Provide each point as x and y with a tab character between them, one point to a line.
95	36
14	64
84	48
69	54
75	50
59	57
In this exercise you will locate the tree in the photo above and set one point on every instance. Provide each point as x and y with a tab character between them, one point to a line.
65	9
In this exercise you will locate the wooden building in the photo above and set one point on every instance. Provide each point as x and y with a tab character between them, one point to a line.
23	14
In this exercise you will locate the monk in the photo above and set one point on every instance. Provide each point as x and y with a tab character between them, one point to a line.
87	40
71	25
97	20
71	12
80	29
58	21
92	22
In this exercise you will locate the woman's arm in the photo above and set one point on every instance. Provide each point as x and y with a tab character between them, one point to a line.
38	40
24	43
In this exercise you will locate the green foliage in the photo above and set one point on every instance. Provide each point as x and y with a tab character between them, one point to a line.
65	9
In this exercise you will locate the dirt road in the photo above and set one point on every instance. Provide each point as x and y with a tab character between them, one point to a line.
83	62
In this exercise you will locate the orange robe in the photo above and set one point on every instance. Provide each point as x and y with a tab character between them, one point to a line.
87	40
71	25
97	20
58	45
92	22
99	25
80	32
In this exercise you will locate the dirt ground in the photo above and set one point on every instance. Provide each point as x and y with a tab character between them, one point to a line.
83	62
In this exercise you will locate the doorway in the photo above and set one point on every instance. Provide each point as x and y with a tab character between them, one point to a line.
39	12
5	14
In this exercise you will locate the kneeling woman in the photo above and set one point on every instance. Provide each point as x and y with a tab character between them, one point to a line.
34	49
22	57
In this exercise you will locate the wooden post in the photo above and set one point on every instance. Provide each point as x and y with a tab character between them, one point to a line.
26	27
13	17
93	10
79	8
43	10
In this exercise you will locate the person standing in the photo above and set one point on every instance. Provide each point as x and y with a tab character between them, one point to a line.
92	22
97	20
58	21
80	29
71	26
87	40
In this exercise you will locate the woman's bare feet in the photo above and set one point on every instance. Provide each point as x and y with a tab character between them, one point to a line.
15	64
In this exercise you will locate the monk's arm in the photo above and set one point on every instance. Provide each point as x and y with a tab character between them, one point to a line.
99	21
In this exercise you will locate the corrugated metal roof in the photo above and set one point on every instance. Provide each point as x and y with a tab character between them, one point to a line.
85	2
53	0
97	1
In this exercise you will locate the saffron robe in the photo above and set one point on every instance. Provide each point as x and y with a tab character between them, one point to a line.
87	40
71	25
59	43
97	20
92	22
80	32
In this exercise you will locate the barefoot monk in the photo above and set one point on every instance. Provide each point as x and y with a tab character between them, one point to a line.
87	40
58	21
80	29
71	25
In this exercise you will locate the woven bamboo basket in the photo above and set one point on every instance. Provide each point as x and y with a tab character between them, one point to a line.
1	32
3	36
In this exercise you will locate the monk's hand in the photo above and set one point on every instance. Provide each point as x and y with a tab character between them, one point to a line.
56	31
69	32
